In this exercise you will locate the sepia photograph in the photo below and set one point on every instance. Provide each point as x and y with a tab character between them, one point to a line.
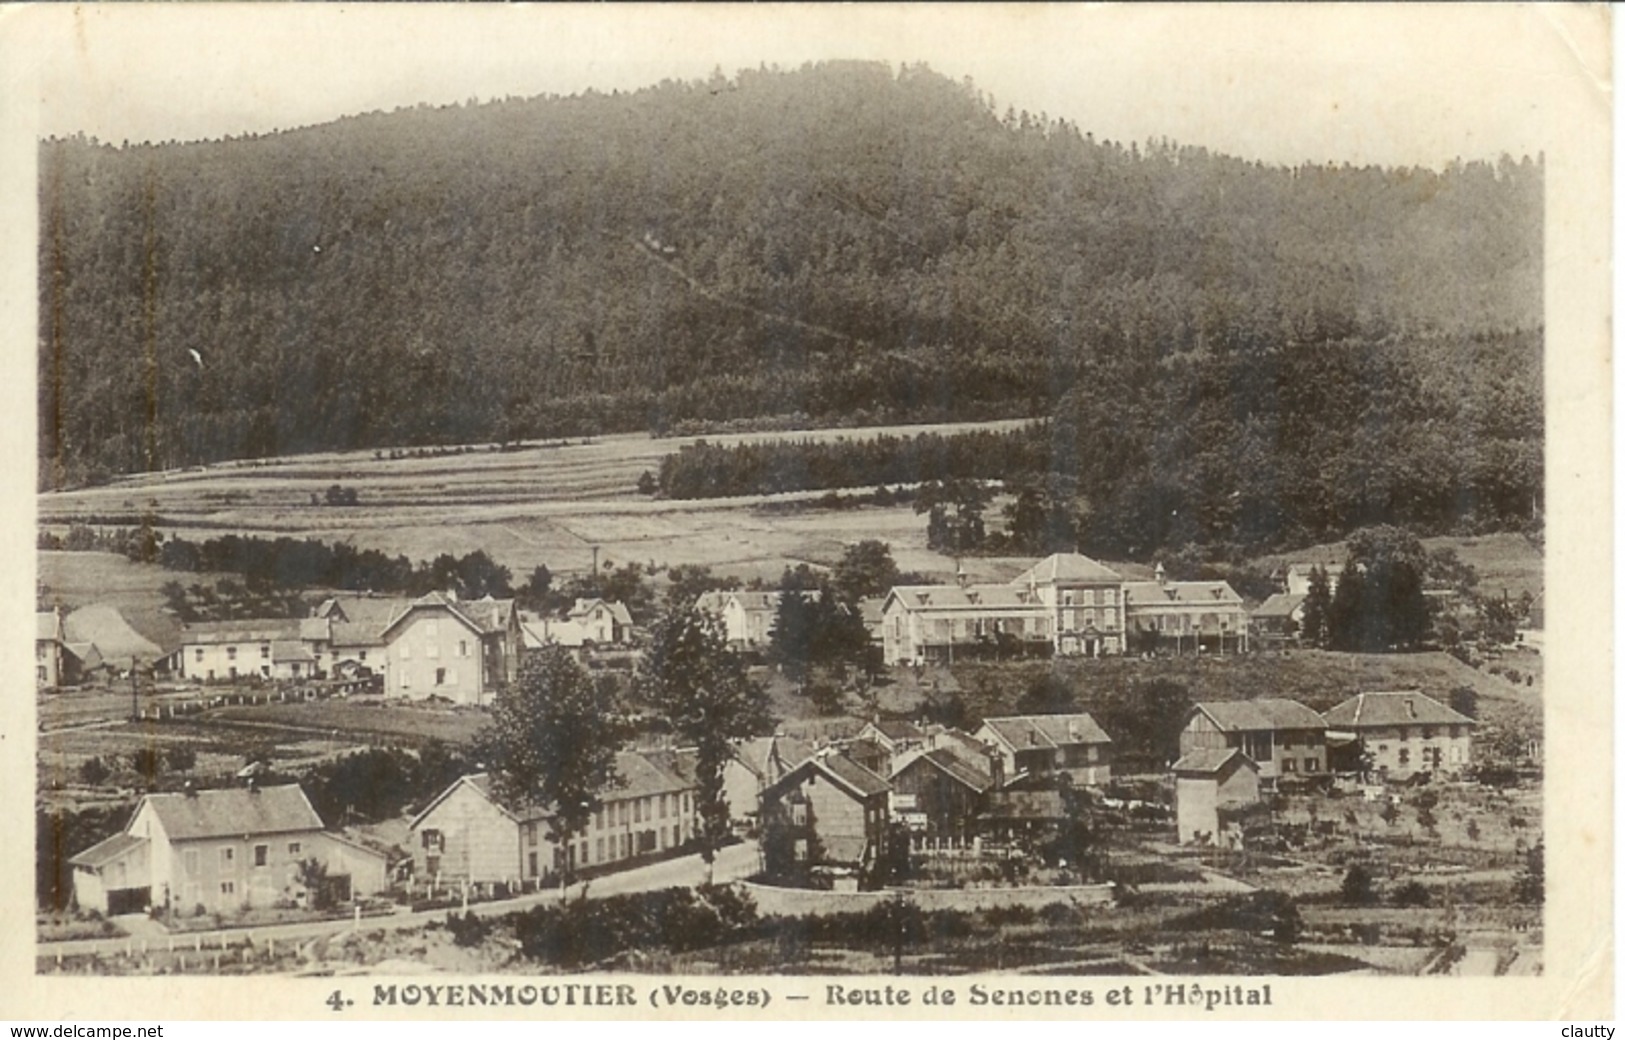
532	503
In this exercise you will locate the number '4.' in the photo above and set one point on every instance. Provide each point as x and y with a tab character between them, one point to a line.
337	1001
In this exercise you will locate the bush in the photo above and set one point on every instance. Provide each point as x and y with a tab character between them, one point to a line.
1412	893
1357	887
94	771
467	930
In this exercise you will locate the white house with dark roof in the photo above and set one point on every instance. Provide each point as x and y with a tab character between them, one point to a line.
1281	736
924	624
224	651
594	622
1404	732
469	832
1035	745
462	650
747	617
219	850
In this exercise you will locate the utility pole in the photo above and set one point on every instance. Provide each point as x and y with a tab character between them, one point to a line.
135	698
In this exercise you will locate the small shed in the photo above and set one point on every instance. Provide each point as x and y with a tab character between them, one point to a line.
1207	780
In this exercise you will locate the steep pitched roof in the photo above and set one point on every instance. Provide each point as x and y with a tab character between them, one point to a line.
1280	605
1264	713
1049	731
616	608
1066	567
845	773
1210	761
492	615
772	757
473	615
361	620
104	625
291	650
950	765
88	654
1394	708
1185	593
235	811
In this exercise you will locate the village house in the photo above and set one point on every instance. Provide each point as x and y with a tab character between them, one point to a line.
48	648
1184	615
1207	782
460	650
1300	575
755	764
224	651
938	793
747	617
1403	732
469	833
827	811
345	633
1282	737
1279	618
896	736
590	622
219	850
1039	745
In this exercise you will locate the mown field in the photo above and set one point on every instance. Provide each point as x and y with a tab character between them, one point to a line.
543	504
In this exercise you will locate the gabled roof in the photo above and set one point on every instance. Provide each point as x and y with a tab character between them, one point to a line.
107	850
1211	761
898	729
87	653
861	783
1047	731
1394	708
361	620
1264	713
772	757
950	765
234	812
1184	593
475	615
1066	568
871	609
616	608
968	597
1280	605
492	615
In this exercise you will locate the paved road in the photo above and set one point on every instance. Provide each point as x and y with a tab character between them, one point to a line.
733	863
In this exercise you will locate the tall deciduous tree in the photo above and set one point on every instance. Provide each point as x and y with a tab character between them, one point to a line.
700	685
552	741
865	569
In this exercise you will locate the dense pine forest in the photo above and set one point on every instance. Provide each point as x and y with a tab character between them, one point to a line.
1218	343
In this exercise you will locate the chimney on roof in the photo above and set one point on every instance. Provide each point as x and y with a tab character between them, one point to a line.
959	573
190	790
253	785
1410	707
1032	738
1160	574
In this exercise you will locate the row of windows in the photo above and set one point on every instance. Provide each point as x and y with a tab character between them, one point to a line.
431	651
1089	597
228	857
1310	765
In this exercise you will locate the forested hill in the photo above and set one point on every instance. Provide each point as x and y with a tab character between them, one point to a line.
844	241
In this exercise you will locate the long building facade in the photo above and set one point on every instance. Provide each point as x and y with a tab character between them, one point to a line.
1067	605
